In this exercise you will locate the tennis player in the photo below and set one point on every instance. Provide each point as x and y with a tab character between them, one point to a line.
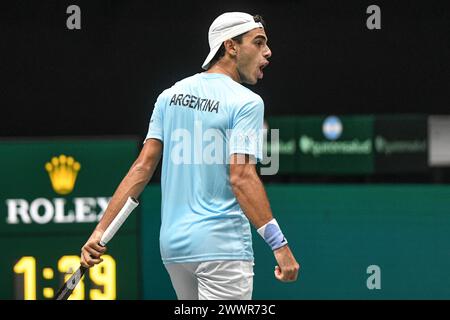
205	238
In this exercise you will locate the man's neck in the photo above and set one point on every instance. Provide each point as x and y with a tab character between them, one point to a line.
226	68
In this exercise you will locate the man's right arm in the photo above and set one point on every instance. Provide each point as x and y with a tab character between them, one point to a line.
132	185
253	200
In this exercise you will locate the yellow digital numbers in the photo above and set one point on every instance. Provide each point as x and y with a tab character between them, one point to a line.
27	267
102	278
104	274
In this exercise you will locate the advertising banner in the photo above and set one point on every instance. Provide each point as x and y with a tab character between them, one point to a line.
400	144
52	195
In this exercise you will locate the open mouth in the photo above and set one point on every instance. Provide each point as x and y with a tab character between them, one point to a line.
261	67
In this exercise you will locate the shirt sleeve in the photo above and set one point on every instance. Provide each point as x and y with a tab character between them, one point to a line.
156	127
246	135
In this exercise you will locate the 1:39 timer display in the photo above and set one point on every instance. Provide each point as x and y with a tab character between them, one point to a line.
38	266
103	277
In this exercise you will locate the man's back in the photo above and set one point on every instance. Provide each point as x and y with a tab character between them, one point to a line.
201	121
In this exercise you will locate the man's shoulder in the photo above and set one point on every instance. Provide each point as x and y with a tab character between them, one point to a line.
177	85
248	97
238	94
187	80
244	95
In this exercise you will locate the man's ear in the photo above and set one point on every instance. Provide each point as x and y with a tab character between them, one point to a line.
230	47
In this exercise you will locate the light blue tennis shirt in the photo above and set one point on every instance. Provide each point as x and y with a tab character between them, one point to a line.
201	121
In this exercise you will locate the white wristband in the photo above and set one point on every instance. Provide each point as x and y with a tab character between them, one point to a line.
271	233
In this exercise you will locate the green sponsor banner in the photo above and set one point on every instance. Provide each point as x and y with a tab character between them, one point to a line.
72	195
336	145
400	144
321	145
352	242
52	195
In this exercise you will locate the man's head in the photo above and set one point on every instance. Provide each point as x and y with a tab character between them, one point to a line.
238	41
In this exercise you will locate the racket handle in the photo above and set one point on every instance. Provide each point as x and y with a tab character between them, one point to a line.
118	220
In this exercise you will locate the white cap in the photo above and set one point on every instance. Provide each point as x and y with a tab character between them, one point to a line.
227	26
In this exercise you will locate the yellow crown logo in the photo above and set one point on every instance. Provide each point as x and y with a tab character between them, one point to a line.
63	173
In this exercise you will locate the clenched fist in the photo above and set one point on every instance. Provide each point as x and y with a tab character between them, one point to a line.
287	269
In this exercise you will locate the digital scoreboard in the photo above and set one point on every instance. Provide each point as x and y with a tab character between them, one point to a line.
52	195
